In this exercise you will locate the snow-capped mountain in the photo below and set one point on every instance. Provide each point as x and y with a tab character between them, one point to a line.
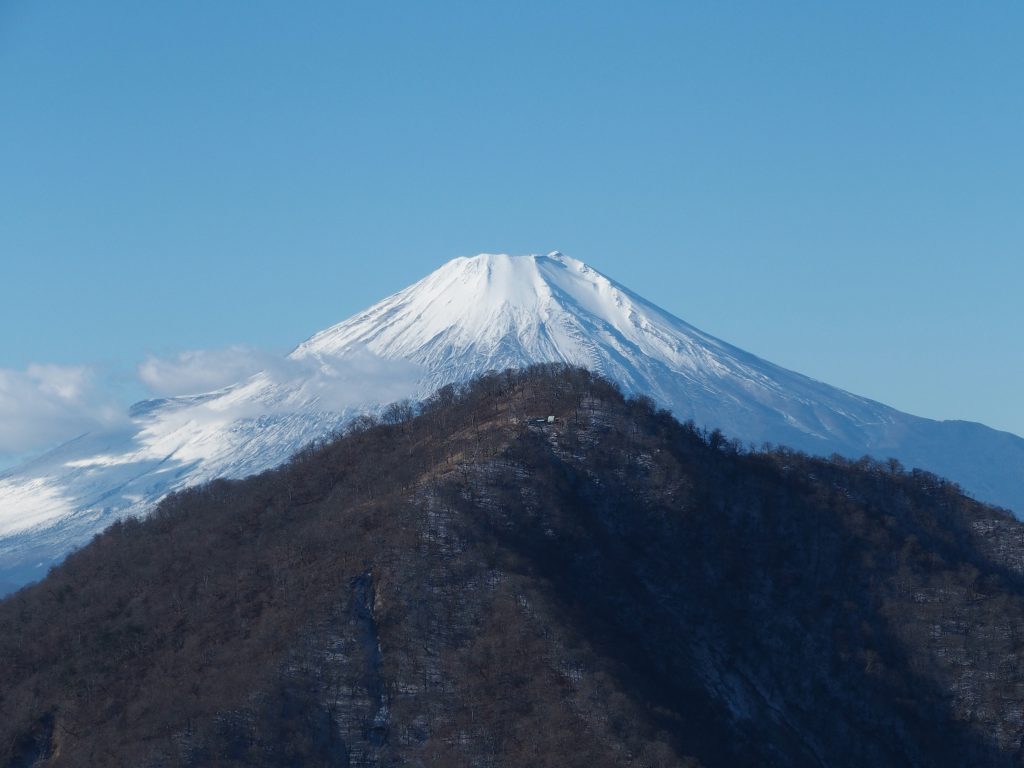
471	315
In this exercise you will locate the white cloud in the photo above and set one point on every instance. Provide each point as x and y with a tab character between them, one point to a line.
360	378
46	404
336	383
201	370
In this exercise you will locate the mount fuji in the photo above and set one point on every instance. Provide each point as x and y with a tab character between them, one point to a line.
487	312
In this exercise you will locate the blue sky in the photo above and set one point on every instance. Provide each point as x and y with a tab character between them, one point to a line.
838	188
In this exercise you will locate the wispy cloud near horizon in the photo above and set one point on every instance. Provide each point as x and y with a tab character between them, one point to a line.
195	371
45	404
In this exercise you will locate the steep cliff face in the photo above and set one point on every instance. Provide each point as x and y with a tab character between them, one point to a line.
474	587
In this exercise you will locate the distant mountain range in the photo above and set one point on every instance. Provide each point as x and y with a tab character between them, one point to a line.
487	312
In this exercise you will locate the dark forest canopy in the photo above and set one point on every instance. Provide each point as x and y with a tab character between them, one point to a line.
457	584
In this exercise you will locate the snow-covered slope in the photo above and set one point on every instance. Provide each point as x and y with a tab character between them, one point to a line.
471	315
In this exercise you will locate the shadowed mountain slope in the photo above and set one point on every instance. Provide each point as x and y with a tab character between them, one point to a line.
471	587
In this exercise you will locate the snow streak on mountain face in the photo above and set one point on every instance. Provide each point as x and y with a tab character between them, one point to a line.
488	312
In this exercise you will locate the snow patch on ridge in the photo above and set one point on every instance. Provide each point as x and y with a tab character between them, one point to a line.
29	504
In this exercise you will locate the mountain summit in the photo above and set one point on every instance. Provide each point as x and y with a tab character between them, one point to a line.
486	312
494	311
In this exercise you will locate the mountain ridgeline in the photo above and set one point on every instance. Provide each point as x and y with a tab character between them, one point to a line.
472	315
467	584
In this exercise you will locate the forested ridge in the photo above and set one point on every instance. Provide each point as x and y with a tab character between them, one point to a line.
458	584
